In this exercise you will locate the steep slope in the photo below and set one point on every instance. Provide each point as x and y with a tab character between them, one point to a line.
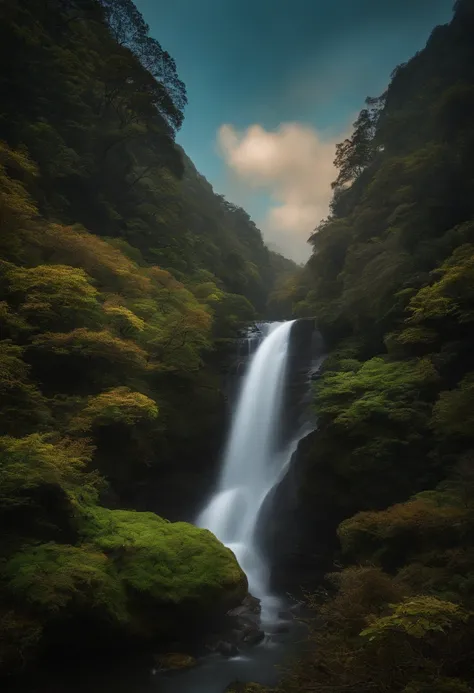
123	277
391	283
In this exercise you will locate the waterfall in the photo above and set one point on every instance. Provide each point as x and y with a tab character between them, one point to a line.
254	461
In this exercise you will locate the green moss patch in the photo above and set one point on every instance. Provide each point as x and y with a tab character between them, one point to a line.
62	580
169	563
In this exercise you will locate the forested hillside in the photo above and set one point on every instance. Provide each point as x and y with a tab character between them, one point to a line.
391	281
123	277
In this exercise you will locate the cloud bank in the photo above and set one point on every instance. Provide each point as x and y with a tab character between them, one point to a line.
294	164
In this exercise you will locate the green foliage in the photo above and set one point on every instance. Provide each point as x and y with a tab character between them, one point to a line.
447	574
110	269
58	579
28	463
17	208
375	389
22	404
117	406
416	617
404	529
355	154
360	591
123	278
391	285
453	413
53	295
99	347
126	323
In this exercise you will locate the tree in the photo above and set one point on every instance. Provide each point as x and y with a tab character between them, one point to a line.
22	404
53	296
117	406
357	152
130	31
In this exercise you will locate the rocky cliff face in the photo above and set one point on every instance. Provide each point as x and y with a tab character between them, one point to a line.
299	534
285	529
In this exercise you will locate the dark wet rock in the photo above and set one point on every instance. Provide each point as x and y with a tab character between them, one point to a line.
250	605
241	629
253	638
227	649
239	611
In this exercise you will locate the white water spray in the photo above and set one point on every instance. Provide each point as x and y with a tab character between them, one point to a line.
253	463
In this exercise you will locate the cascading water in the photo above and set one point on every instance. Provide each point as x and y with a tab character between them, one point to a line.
254	462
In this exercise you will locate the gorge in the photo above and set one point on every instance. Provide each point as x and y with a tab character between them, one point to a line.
196	432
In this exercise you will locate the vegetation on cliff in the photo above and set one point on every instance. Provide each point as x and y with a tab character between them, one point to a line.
391	283
123	277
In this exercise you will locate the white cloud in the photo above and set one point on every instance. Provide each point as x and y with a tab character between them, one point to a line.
295	165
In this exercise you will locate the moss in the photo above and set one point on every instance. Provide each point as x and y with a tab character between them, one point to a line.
135	576
176	661
167	563
58	580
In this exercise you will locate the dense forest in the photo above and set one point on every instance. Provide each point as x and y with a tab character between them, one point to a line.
123	280
391	281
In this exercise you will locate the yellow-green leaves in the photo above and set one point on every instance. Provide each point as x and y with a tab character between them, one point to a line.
54	295
119	405
31	462
17	208
100	347
125	322
416	617
54	578
22	405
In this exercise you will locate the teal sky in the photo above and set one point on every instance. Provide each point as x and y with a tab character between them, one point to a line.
271	62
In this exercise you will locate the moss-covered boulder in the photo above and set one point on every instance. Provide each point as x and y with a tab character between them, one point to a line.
134	576
169	570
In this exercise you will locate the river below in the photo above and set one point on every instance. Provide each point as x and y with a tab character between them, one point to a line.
213	673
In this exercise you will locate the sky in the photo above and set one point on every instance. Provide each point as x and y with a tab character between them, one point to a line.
273	85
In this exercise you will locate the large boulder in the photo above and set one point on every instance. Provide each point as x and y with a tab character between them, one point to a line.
132	577
177	577
240	630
